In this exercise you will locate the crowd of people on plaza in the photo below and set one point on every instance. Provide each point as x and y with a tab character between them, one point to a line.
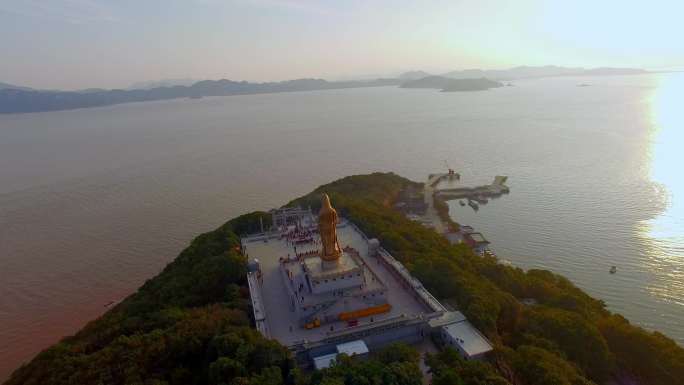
298	235
304	242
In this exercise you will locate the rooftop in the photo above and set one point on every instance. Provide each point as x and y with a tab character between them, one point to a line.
353	347
357	347
325	361
447	318
468	338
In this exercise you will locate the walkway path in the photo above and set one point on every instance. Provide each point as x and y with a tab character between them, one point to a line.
431	212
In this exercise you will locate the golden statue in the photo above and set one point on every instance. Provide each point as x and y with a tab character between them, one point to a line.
327	227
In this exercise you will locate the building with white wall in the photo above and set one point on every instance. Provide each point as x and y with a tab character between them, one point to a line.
465	338
386	304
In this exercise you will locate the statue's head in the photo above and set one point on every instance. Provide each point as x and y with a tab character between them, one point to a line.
325	202
326	207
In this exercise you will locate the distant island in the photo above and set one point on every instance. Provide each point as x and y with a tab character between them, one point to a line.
452	85
194	323
20	99
530	72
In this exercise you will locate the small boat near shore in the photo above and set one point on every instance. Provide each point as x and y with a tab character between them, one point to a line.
474	205
461	203
481	200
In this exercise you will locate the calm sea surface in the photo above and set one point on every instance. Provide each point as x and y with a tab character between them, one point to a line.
93	202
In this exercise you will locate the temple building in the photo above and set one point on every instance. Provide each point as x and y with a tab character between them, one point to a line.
318	285
332	284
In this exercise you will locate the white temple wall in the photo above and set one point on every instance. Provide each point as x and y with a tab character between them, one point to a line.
340	283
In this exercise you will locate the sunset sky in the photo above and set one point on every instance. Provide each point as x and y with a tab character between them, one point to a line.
72	44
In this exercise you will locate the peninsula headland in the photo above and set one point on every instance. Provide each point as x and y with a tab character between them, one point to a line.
194	323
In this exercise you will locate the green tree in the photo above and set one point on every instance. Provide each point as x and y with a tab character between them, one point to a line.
536	366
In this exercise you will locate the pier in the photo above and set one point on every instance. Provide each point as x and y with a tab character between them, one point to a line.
454	232
435	179
495	189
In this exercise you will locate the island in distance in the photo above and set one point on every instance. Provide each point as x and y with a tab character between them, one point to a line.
452	85
20	99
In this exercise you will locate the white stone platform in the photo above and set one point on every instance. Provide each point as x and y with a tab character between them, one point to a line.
283	322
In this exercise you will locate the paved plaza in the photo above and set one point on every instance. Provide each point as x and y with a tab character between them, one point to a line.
283	323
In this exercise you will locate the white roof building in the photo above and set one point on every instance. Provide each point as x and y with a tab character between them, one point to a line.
357	347
463	337
322	362
353	348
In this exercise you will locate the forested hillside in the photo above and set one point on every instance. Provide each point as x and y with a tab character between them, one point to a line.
190	324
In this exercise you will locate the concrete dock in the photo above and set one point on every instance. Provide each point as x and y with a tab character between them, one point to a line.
495	189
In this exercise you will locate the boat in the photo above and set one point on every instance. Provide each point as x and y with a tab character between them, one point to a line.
461	203
613	269
474	205
481	200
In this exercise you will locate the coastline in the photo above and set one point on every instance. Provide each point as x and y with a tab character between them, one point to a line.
487	292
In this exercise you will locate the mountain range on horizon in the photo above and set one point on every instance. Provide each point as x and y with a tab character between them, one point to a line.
4	86
525	72
19	99
520	72
23	101
146	85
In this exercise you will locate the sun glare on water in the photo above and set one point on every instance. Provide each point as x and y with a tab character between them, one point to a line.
666	231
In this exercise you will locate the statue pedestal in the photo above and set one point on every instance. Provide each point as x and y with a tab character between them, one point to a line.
330	264
340	274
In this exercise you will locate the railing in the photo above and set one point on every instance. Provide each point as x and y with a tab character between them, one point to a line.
257	304
400	270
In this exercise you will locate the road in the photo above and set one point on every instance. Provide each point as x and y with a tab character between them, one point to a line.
431	212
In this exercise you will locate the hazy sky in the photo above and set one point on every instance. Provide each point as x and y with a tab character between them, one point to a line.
91	43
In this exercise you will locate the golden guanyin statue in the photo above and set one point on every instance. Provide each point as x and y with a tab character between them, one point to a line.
327	227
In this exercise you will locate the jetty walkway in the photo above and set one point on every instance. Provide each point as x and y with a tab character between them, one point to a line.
478	193
495	189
